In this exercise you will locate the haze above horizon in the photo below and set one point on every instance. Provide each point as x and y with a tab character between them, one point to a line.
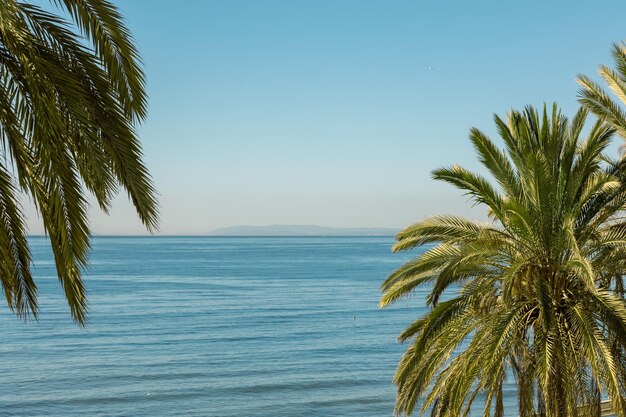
334	113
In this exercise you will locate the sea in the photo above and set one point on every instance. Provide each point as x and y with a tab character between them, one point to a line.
212	326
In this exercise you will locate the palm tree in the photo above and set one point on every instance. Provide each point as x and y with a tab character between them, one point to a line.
535	292
594	98
71	94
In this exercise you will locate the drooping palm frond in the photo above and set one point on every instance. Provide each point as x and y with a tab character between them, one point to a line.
69	105
597	100
536	289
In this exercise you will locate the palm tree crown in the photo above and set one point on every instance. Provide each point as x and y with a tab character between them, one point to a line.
71	93
535	292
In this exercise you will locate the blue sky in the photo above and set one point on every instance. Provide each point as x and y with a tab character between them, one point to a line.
335	112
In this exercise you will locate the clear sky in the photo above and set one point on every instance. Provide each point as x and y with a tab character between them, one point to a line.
335	112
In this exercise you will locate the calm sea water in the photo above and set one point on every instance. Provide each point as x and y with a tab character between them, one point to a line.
204	326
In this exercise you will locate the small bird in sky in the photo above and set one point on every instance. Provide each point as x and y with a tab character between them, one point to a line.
430	67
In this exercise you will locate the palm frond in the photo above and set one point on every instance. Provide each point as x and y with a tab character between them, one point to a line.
71	95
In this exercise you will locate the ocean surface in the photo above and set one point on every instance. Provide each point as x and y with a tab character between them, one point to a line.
207	326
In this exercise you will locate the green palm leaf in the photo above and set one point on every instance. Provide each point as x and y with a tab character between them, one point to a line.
70	101
594	98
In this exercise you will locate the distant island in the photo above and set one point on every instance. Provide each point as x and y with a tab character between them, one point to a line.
301	230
